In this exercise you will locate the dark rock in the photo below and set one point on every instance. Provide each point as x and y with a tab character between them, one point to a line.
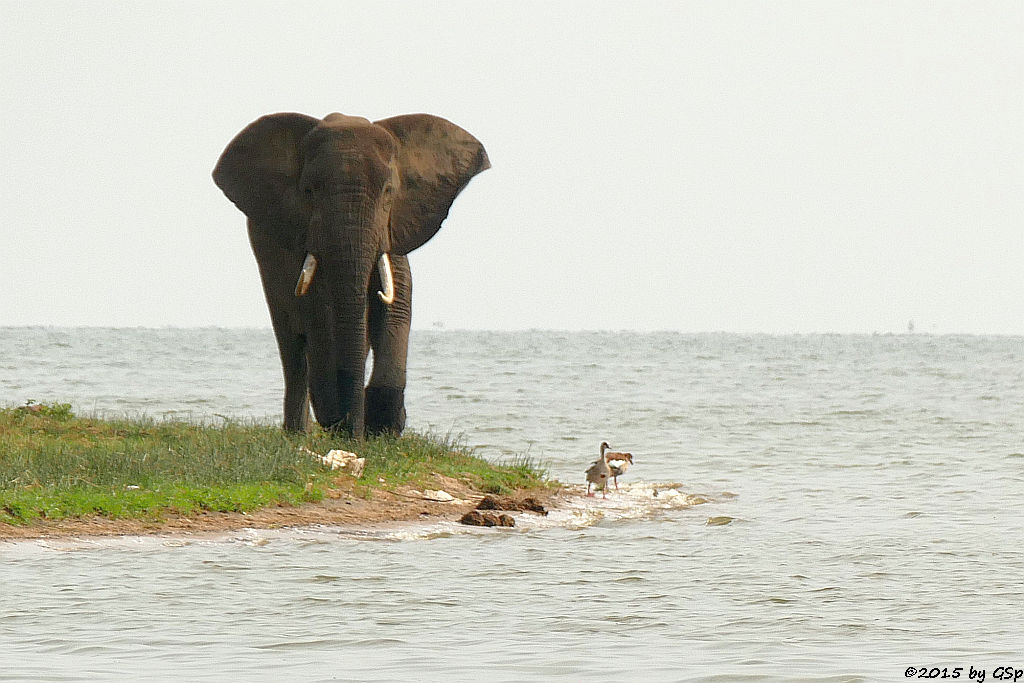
473	518
489	503
510	504
533	505
477	518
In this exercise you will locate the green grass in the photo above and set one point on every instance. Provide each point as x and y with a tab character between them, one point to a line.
54	465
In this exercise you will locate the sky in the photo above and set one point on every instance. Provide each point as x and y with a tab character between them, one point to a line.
780	167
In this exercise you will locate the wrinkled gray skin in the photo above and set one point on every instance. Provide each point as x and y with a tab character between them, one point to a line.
346	191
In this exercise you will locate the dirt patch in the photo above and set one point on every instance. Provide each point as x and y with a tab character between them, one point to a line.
341	507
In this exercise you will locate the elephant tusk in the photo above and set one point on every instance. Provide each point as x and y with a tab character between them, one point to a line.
306	276
384	269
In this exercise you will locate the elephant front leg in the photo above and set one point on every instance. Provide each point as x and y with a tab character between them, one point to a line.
389	339
277	268
292	348
385	410
296	392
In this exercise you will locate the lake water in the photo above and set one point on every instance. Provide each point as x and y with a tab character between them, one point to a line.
873	485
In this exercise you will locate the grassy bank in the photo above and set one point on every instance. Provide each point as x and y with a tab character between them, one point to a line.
54	465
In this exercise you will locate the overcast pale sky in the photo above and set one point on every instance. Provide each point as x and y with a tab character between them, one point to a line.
696	166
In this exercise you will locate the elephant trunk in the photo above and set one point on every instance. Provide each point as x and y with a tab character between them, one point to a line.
340	369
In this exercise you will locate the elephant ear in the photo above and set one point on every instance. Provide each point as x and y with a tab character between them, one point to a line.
259	170
435	160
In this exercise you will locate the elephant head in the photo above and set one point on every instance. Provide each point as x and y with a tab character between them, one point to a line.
333	207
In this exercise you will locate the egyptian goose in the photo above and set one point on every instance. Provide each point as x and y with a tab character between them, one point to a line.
598	473
618	463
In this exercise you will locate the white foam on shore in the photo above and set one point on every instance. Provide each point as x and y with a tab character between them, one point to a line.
571	509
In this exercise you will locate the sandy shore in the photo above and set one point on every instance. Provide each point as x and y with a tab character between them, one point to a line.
340	508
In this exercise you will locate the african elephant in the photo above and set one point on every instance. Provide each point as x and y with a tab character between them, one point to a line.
334	205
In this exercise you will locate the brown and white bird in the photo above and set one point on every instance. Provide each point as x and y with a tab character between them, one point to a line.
598	473
618	463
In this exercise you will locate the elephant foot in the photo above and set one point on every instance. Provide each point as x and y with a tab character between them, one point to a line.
385	410
297	423
346	429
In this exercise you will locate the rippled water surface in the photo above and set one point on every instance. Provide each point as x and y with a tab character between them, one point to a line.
863	516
